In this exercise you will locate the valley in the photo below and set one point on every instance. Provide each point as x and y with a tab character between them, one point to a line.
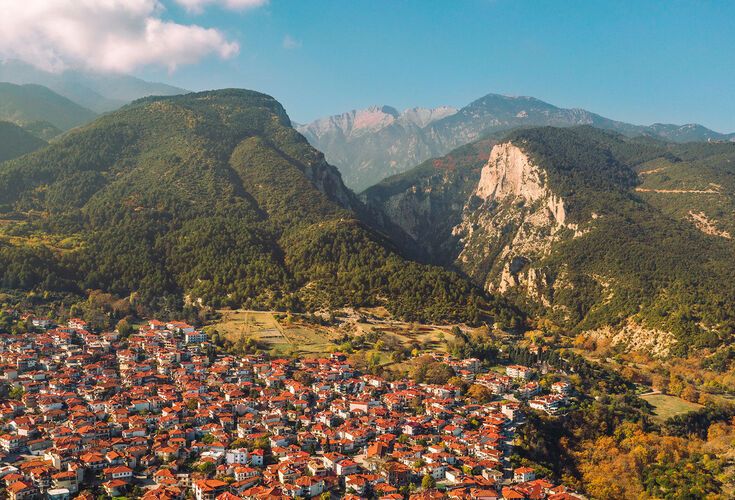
570	284
291	250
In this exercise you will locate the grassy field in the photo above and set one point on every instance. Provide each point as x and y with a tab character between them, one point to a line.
261	326
298	338
287	338
669	406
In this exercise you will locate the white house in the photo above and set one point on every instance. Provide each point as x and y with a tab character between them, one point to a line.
237	456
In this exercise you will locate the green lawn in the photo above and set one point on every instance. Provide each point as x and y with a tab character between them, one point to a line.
669	406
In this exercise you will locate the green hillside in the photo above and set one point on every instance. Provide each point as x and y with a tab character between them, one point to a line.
662	268
25	104
633	253
209	197
15	141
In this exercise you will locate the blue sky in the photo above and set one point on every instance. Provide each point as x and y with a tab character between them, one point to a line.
637	61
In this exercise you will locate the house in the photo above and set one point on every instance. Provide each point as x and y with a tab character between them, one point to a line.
511	410
529	390
257	458
453	475
562	387
484	494
179	326
195	337
58	494
10	443
523	474
244	473
237	456
44	323
77	324
397	474
119	472
208	489
115	487
346	467
66	480
509	493
21	490
518	371
164	476
93	461
309	486
549	404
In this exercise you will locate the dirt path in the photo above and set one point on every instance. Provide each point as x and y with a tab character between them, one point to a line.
678	191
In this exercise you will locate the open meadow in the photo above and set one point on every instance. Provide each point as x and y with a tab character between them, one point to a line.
666	406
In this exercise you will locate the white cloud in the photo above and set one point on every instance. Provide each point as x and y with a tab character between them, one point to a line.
290	43
103	35
198	6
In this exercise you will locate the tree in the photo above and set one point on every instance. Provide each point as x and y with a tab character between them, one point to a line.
16	392
480	393
124	328
428	482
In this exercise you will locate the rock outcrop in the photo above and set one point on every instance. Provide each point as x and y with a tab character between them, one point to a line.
510	223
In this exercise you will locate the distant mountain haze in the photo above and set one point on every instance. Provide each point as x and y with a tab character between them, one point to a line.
30	104
371	144
95	91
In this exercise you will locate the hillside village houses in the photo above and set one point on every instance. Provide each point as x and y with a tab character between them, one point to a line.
158	416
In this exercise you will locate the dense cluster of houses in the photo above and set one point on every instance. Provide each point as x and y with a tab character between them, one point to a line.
156	415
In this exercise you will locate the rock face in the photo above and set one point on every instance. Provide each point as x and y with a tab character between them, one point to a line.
488	212
512	221
636	337
556	217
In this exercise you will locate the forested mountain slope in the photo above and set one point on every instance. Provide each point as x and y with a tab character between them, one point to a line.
31	104
215	198
562	218
15	141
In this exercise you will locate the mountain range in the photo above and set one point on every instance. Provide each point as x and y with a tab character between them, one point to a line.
374	143
214	198
210	198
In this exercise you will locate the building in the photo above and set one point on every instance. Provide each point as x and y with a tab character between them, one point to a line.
518	371
523	474
208	489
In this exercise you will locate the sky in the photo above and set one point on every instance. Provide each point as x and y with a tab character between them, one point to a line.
638	61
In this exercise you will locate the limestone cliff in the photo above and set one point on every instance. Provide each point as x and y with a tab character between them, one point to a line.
510	223
557	216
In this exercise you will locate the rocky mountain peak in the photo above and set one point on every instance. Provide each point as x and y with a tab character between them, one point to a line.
510	175
512	222
372	119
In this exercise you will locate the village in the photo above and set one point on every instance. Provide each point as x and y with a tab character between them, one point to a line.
160	414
